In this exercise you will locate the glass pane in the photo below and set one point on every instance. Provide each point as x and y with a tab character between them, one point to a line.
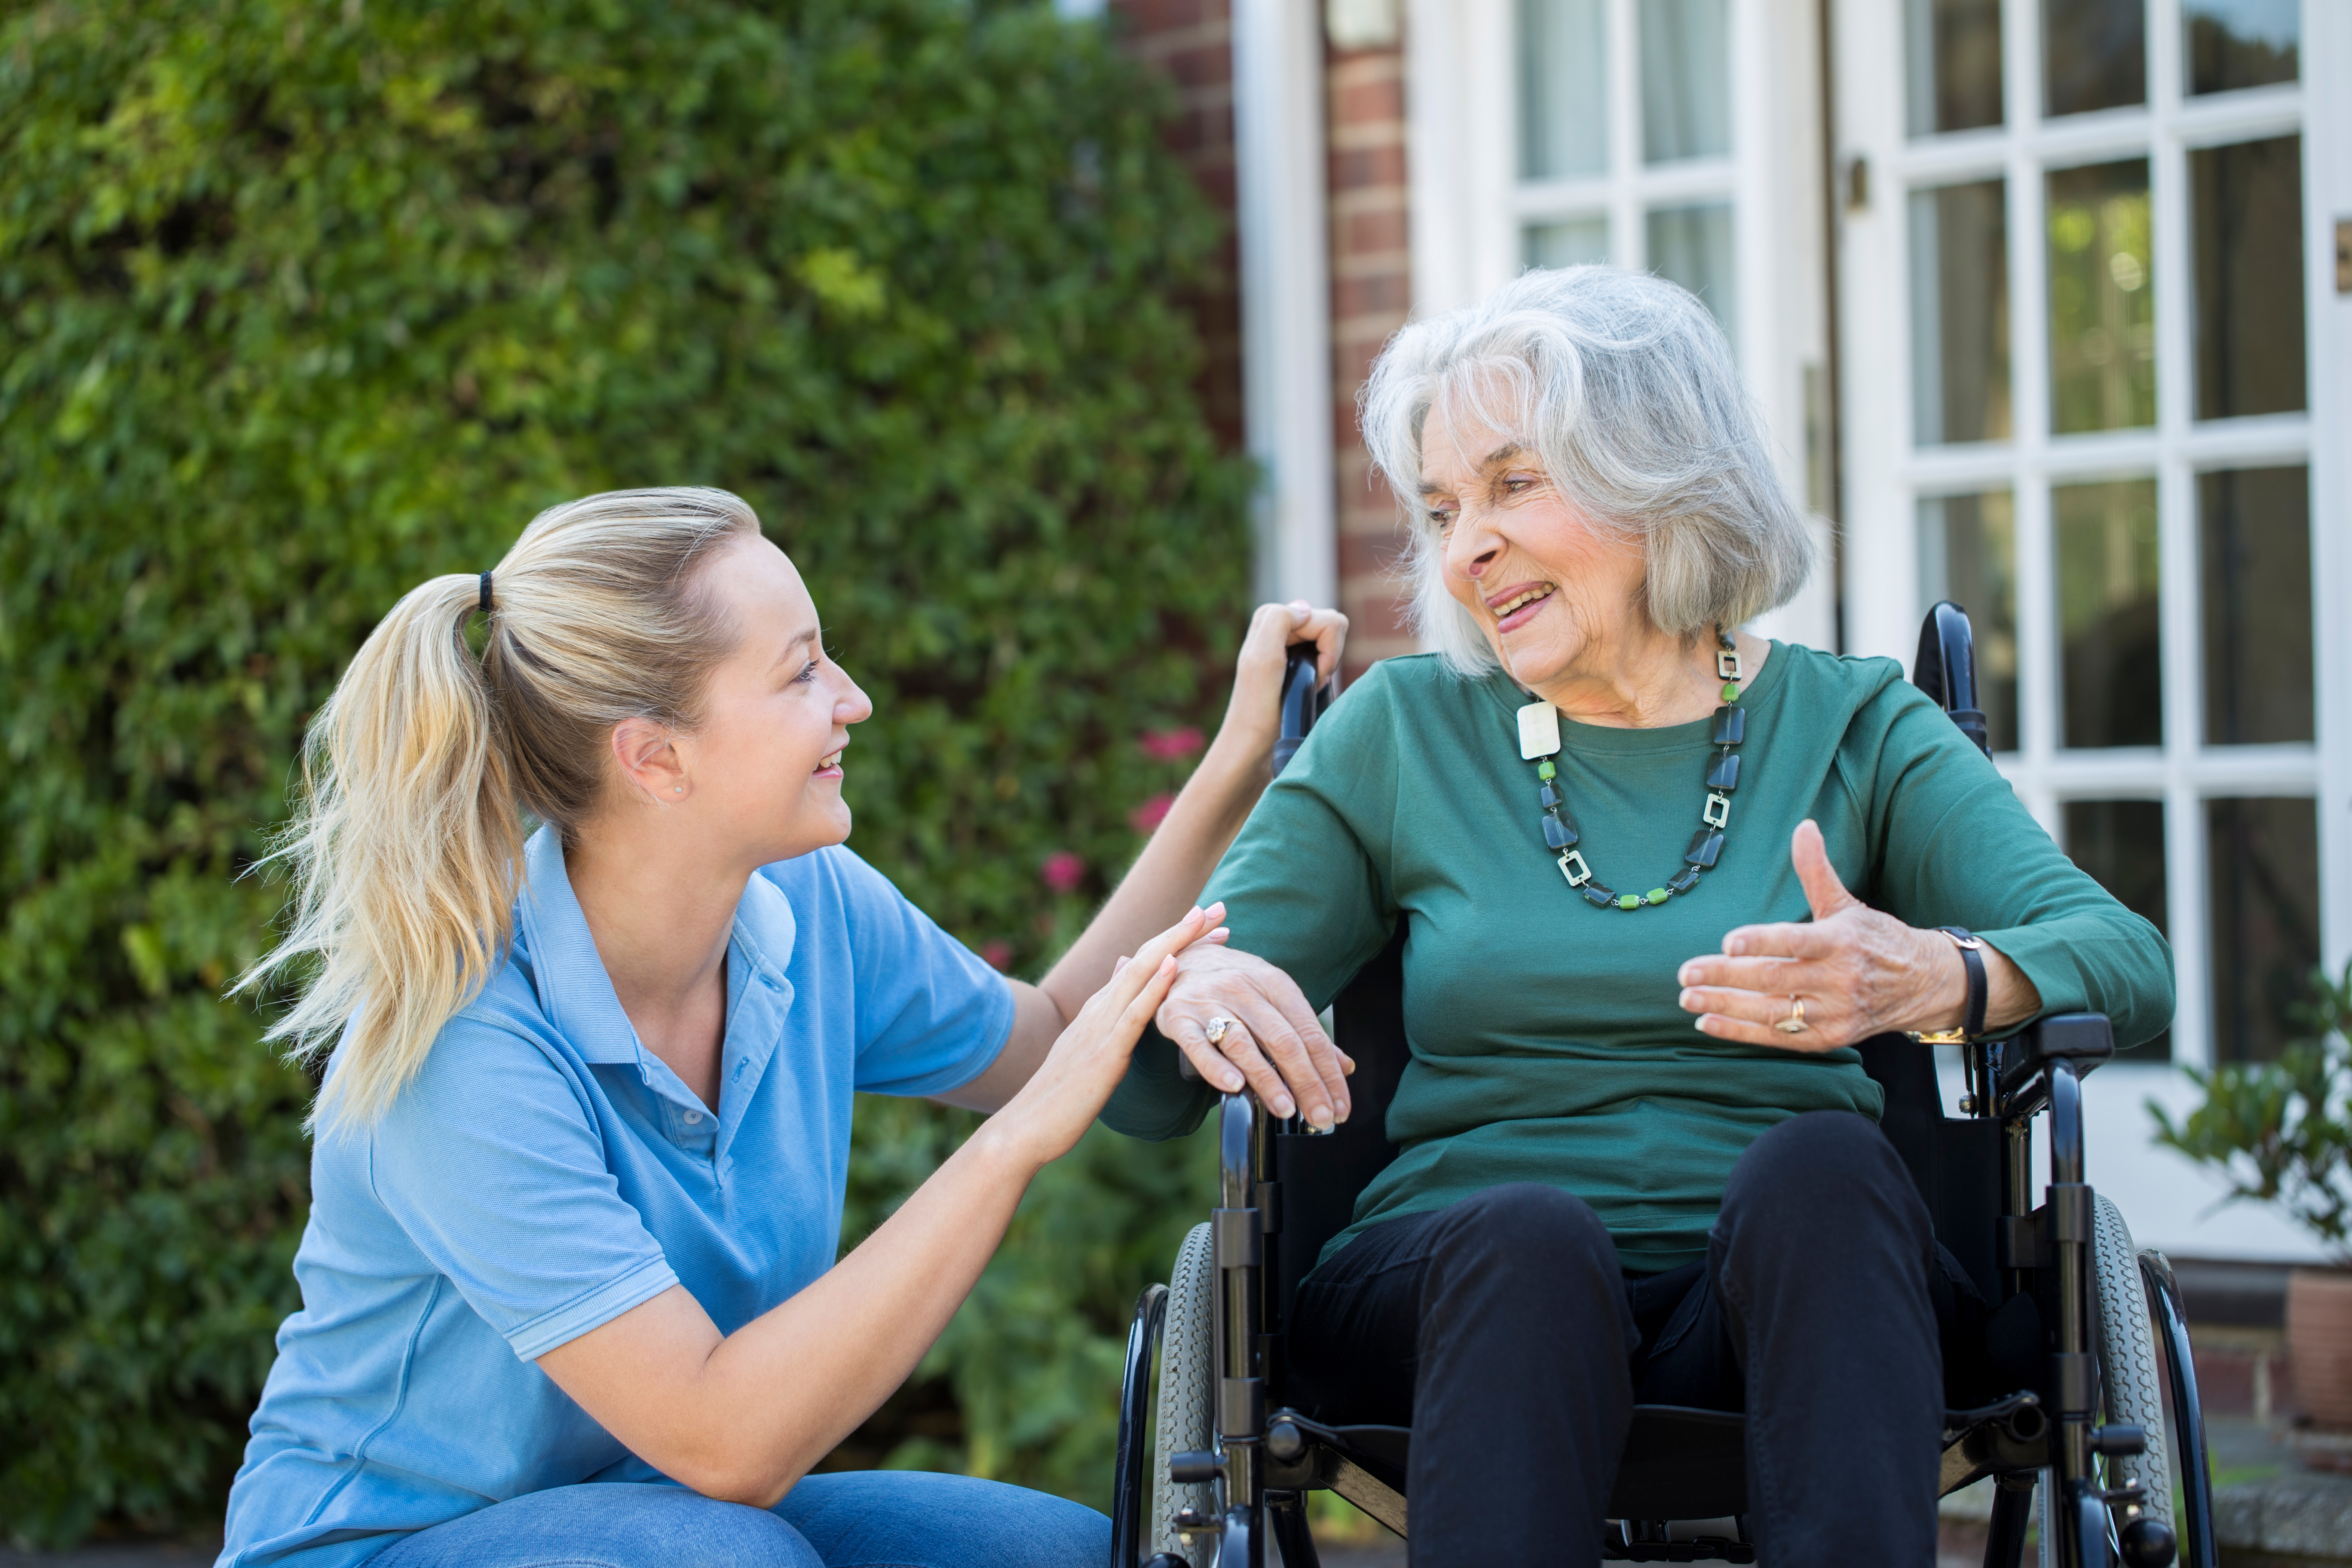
1692	247
2262	881
1954	48
1686	80
2102	299
2254	533
2107	633
2242	43
1571	243
2093	55
1563	87
1967	553
2246	203
2120	843
1959	313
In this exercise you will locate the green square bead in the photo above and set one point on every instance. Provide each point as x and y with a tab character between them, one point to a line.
1656	895
1731	691
1546	772
1629	900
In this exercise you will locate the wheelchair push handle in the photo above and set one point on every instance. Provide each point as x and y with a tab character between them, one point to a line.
1945	669
1302	703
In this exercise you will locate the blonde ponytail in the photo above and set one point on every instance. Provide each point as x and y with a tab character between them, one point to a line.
406	842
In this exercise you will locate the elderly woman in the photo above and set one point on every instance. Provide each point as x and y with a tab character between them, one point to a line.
1656	877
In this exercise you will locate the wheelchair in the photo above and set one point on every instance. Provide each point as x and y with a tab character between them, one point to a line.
1234	1462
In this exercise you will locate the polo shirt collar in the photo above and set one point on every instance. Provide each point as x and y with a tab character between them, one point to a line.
576	996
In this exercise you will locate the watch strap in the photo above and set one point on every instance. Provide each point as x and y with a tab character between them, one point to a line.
1971	946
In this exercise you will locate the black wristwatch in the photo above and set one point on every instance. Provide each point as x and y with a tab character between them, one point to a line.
1972	1019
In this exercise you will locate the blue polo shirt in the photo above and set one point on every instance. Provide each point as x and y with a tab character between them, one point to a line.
545	1172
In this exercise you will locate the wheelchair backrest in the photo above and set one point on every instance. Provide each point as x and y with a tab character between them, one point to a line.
1954	1161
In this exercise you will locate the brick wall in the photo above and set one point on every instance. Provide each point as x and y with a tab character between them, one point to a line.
1190	43
1372	292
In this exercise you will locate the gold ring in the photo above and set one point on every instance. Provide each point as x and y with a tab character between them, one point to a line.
1794	1023
1216	1030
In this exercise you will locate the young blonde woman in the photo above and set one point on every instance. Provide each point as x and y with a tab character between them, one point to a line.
569	1284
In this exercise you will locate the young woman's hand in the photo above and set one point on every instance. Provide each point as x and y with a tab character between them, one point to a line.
1254	715
1068	1090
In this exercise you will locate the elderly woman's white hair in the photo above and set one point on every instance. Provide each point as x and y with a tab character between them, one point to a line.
1624	386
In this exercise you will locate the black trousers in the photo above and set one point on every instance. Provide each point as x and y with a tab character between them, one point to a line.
1503	1331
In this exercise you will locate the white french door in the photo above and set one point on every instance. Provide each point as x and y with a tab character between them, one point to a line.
2093	351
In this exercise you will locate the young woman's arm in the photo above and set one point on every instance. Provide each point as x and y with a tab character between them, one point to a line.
742	1417
1175	865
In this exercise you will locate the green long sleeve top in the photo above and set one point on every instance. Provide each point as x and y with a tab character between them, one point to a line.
1546	1041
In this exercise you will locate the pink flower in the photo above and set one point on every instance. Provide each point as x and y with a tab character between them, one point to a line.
1171	745
997	955
1063	871
1144	818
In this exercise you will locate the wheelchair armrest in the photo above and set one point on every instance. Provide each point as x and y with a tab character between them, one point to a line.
2086	1039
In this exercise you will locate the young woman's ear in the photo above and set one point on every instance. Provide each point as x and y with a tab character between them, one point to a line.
647	757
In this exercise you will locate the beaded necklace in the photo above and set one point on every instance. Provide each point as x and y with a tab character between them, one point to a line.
1539	743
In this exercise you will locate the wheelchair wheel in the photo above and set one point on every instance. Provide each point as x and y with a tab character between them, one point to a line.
1188	1371
2127	1367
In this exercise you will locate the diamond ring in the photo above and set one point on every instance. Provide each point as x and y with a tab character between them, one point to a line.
1216	1030
1794	1023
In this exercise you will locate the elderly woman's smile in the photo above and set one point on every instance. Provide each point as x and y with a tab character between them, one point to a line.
1514	607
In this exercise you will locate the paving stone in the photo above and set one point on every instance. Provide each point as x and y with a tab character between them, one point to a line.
2296	1518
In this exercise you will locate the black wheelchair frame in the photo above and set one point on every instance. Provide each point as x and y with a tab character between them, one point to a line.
1284	1191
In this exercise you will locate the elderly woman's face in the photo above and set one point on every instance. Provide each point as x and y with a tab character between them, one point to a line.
1549	588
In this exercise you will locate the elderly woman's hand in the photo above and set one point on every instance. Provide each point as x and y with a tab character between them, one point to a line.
1859	972
1271	1037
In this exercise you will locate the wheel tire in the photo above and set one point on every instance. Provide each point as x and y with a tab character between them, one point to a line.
2127	1368
1188	1370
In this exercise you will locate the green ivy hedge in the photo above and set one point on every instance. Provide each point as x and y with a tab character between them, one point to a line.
301	303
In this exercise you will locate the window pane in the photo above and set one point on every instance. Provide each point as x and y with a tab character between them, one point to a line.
1967	553
2242	43
2262	881
2106	613
2120	843
2093	55
2246	203
1569	244
1692	247
2254	529
1954	47
1686	80
1563	87
1959	313
2102	299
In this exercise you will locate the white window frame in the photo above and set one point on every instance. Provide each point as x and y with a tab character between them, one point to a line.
1886	475
1470	208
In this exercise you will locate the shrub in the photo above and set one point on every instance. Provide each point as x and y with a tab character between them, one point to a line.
300	303
2281	1133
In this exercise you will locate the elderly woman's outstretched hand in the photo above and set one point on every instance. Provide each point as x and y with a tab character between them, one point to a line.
1858	972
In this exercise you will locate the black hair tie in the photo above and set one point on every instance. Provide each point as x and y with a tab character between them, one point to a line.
485	605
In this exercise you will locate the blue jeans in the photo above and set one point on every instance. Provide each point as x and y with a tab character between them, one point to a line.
848	1518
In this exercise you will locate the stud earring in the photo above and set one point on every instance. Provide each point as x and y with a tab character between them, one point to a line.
681	789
